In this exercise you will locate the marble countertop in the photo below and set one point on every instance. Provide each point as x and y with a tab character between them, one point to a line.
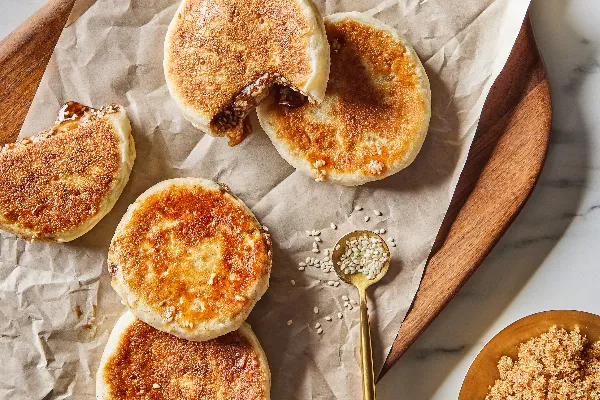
548	259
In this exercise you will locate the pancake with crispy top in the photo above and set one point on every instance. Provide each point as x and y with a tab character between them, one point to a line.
375	115
190	259
140	362
223	56
58	184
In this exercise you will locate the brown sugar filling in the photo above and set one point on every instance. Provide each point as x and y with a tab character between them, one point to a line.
232	120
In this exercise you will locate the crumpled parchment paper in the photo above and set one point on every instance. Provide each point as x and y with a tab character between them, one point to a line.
56	302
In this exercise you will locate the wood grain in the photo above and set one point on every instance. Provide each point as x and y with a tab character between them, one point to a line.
503	166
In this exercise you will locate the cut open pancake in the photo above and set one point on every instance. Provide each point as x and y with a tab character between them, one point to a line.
223	56
58	184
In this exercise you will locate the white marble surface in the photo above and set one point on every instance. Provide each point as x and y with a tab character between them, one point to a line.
549	257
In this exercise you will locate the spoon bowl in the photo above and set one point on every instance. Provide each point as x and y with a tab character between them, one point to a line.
358	279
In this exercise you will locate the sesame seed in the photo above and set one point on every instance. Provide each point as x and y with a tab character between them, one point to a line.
289	322
340	315
265	228
293	282
212	278
357	208
155	385
302	264
382	231
345	298
333	226
364	254
353	302
349	306
317	239
393	244
320	330
336	283
337	247
316	310
307	259
328	318
315	250
367	218
239	298
331	283
301	268
317	325
316	233
377	212
391	240
308	233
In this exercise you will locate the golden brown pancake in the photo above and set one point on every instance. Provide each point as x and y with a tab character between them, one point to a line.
375	114
140	362
58	184
190	259
223	56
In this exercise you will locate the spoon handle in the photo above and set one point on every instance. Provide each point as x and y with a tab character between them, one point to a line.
365	349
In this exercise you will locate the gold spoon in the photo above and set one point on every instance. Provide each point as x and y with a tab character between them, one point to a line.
361	282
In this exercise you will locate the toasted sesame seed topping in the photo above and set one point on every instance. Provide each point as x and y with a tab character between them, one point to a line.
155	385
211	278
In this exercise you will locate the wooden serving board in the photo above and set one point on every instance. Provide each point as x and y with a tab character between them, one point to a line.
503	166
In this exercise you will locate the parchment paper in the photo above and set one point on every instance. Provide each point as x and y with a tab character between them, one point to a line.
56	302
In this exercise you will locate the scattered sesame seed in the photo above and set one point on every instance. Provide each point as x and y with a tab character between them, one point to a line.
315	250
382	231
333	226
345	298
331	283
293	282
393	244
317	325
336	283
265	228
316	233
316	310
337	247
308	233
357	208
155	385
300	268
307	259
391	240
377	212
328	318
302	264
320	331
340	315
289	322
349	306
353	302
317	239
367	218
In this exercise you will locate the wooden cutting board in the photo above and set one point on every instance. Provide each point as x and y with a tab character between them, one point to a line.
502	169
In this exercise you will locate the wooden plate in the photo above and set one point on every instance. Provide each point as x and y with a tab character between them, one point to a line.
503	166
484	371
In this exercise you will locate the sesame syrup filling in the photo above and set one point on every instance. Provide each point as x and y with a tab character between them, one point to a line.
232	121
